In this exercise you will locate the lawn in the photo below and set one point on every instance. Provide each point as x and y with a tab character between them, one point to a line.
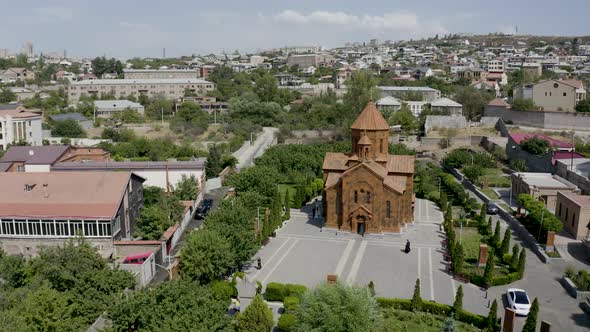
490	193
407	321
470	239
494	177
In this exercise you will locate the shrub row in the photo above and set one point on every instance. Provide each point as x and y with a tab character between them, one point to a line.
277	292
435	309
496	281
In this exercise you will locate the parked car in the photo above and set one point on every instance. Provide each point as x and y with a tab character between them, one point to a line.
492	208
518	300
203	209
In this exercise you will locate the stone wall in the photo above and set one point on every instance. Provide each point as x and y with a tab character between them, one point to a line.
541	119
29	247
579	180
542	164
444	121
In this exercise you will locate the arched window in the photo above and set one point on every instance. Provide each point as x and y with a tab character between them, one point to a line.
356	196
368	197
388	209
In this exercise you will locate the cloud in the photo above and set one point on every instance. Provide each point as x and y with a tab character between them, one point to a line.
395	21
54	13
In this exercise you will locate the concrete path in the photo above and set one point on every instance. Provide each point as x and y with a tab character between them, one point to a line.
251	150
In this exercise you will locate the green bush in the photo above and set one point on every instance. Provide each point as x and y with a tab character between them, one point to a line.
436	308
471	318
402	304
287	323
506	258
275	292
294	290
291	303
223	289
506	279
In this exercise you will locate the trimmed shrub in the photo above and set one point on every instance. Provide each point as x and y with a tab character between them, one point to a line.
275	292
291	303
222	289
504	280
436	308
401	304
294	290
287	323
470	318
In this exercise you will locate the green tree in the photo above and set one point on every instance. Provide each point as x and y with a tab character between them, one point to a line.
582	107
361	88
519	165
68	128
521	261
449	325
489	270
505	247
287	204
458	304
416	303
535	145
514	259
187	189
473	101
530	325
371	287
152	223
6	95
256	318
206	256
338	308
473	172
405	118
266	88
214	161
493	317
496	238
458	259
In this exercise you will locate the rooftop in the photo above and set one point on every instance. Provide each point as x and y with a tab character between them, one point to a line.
116	104
545	180
142	81
582	200
445	102
408	88
17	112
197	164
34	155
370	119
388	101
70	195
518	138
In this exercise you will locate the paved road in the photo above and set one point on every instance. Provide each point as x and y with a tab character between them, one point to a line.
248	152
542	281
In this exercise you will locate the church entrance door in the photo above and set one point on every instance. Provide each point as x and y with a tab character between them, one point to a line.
360	228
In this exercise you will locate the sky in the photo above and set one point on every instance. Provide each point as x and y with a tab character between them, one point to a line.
128	28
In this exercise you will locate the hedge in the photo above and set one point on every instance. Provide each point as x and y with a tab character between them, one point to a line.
287	323
277	292
291	303
435	309
496	281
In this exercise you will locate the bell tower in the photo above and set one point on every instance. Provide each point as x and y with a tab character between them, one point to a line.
370	135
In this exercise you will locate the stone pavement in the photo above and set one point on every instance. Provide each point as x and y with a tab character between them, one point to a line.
304	253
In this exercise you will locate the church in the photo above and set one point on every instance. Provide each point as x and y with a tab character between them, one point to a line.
369	190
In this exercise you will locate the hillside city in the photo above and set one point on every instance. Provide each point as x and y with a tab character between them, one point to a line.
428	184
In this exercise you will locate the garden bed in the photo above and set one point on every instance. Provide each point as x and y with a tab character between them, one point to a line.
470	239
401	320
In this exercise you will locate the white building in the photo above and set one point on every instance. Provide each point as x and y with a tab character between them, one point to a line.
106	108
20	125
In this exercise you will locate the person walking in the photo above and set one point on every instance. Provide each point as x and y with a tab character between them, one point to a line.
259	263
237	305
407	246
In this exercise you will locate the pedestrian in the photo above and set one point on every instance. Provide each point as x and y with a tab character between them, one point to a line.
237	305
259	261
407	246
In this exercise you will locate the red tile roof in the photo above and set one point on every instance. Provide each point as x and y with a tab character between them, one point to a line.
553	142
370	119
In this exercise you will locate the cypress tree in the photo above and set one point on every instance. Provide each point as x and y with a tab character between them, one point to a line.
371	287
458	304
493	317
442	202
416	303
287	205
489	270
458	259
489	227
530	325
496	238
514	260
506	241
483	212
521	262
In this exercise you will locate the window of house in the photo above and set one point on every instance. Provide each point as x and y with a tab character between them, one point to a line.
116	225
566	213
573	219
388	209
368	197
559	210
355	196
565	94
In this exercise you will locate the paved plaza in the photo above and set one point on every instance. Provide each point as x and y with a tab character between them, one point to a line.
305	254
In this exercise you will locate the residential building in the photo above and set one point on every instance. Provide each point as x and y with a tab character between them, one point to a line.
576	171
495	66
472	74
18	74
107	108
47	209
368	191
542	186
532	70
41	158
446	105
163	174
20	125
303	60
388	103
79	118
207	104
553	95
498	78
300	49
156	74
573	210
426	93
487	86
22	93
168	88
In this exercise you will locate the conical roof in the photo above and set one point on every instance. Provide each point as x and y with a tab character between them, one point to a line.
370	119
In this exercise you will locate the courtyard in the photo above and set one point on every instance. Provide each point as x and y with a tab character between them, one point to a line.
304	253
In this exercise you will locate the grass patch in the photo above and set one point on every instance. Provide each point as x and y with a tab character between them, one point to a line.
494	177
490	193
401	320
553	254
470	239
